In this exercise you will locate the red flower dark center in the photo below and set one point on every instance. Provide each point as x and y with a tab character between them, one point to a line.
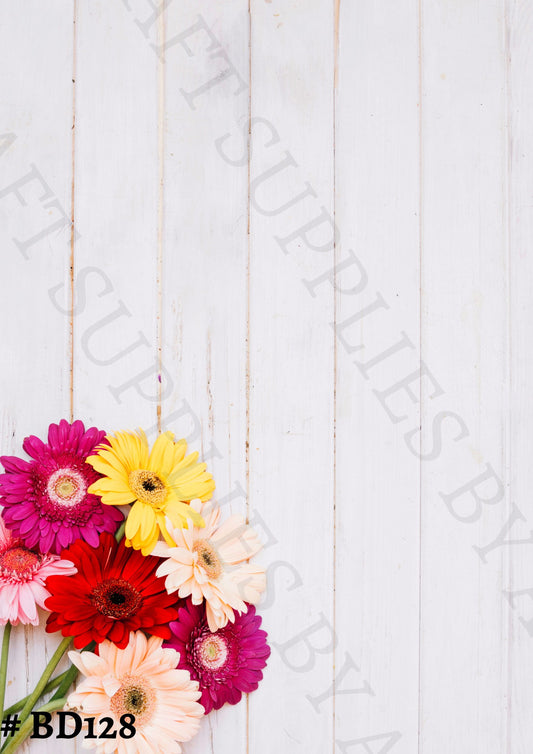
18	564
116	598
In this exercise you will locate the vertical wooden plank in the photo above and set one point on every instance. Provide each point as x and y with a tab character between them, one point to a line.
378	319
291	408
116	215
36	108
464	341
520	227
204	263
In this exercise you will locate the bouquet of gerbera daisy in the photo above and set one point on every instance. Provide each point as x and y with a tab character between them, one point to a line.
120	544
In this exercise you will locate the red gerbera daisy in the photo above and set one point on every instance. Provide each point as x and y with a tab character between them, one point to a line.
45	500
227	662
114	592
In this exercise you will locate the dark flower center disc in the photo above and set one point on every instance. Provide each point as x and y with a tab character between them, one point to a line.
116	598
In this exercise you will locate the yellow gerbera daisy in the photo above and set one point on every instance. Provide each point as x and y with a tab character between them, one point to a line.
159	483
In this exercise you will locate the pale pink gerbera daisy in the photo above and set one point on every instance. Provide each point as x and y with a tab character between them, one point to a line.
23	575
141	680
46	500
210	563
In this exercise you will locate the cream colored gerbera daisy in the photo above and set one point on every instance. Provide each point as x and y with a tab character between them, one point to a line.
159	483
210	564
140	680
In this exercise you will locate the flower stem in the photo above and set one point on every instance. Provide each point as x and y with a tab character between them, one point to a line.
26	727
50	686
38	691
3	667
66	683
61	682
120	531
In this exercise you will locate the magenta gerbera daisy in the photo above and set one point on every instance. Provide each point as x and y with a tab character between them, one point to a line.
227	662
46	503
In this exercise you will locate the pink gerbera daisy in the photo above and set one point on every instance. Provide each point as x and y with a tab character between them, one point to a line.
23	575
226	663
46	503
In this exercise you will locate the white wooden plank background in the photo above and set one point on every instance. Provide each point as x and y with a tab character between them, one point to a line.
347	388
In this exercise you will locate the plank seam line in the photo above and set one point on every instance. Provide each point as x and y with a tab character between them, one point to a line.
161	83
248	302
72	207
420	338
336	27
507	430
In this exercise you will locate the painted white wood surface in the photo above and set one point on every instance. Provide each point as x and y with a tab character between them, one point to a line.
36	107
378	480
464	340
204	151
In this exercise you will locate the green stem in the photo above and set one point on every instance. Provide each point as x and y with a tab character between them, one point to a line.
50	686
26	727
38	691
70	675
120	531
66	683
3	667
61	682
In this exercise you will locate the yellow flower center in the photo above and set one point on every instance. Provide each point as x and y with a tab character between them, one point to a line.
65	487
208	558
134	697
147	487
212	650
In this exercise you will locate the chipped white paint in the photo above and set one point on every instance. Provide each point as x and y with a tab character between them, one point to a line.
410	124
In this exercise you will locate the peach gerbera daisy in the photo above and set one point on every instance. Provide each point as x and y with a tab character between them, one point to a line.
210	563
140	680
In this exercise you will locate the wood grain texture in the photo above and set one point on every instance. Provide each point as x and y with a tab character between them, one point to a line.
519	98
205	261
464	340
378	479
301	240
292	388
35	211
